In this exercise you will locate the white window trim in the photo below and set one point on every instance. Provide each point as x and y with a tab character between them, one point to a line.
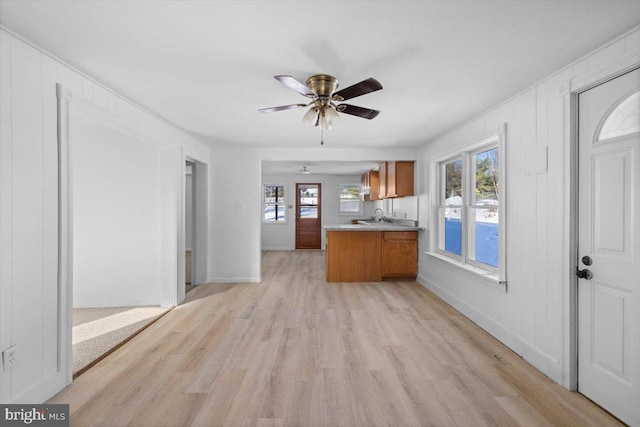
494	139
286	198
360	202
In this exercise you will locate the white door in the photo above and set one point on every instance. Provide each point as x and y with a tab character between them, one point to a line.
609	234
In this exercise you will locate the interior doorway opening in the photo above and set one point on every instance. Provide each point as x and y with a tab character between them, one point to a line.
189	219
114	209
193	254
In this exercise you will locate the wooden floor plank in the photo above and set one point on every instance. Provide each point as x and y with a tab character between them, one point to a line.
295	350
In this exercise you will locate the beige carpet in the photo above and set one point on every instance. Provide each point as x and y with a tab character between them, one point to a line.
98	330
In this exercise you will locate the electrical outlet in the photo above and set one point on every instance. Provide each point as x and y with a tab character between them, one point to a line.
9	358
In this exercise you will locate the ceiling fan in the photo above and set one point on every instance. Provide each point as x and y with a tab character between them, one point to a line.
321	88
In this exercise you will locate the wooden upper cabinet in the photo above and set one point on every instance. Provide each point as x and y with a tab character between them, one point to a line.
374	184
370	180
382	177
396	179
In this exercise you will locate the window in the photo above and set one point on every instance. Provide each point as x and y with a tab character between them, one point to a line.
470	204
274	206
623	120
308	200
350	202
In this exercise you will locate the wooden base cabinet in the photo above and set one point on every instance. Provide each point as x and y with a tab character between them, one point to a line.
353	256
371	256
399	254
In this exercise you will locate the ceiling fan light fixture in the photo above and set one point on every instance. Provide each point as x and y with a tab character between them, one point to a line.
331	117
322	89
310	116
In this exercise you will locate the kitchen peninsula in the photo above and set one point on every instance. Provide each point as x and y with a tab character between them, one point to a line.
371	252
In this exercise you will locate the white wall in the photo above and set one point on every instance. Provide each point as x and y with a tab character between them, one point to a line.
282	236
29	288
116	216
405	208
532	317
234	224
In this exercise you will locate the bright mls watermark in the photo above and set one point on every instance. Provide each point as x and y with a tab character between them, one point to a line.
34	415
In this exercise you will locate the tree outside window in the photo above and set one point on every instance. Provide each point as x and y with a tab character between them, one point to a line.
469	222
350	201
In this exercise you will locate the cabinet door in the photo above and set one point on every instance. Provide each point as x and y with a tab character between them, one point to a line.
391	179
399	258
404	179
375	185
382	176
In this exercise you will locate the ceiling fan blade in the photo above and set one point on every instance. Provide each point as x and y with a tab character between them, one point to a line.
295	85
281	108
362	88
365	113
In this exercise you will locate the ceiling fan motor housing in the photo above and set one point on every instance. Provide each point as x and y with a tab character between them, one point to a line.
322	85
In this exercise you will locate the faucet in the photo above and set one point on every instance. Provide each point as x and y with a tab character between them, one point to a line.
381	214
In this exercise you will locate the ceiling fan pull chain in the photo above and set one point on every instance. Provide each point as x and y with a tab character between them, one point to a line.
321	135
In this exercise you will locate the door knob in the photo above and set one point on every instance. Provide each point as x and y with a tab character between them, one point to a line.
584	274
586	260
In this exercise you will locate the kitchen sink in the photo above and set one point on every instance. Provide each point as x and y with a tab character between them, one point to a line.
382	223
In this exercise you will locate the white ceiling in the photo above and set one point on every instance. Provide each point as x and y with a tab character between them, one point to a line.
207	66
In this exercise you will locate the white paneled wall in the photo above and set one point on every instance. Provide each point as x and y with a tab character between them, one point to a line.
531	317
29	315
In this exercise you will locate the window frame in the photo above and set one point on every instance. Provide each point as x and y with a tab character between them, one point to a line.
467	154
265	204
442	194
359	199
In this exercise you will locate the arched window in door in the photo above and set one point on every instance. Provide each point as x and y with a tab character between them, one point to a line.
624	119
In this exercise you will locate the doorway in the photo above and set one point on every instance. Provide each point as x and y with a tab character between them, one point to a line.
308	216
113	236
189	219
609	245
193	252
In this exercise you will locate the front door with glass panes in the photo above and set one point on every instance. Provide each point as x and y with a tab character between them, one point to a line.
308	216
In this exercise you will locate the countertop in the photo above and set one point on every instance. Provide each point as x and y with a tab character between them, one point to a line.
383	226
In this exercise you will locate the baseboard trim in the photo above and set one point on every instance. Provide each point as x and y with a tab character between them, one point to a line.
43	390
114	303
277	248
499	332
540	360
214	280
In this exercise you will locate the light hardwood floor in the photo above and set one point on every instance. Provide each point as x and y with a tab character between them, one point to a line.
295	350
